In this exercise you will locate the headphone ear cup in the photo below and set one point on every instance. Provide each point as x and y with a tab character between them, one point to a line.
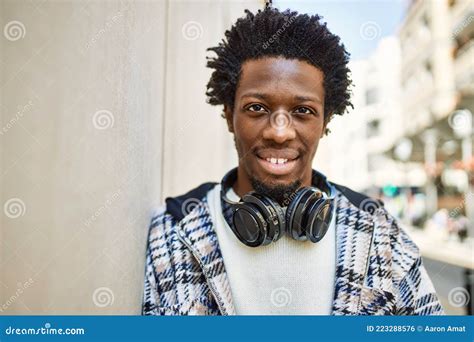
272	213
249	224
319	217
294	214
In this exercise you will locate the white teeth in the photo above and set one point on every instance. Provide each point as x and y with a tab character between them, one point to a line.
277	160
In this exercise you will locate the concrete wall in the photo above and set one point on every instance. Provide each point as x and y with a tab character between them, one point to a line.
103	114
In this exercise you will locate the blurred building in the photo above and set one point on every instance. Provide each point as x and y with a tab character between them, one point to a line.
437	77
437	101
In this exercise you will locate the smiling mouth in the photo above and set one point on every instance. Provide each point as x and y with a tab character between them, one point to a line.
277	166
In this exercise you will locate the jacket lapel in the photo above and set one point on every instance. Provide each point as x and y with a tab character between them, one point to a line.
197	232
354	233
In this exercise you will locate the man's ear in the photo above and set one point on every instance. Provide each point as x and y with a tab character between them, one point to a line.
228	117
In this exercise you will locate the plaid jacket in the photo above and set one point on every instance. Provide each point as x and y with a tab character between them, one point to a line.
379	270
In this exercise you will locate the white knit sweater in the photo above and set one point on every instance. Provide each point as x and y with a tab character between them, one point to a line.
284	278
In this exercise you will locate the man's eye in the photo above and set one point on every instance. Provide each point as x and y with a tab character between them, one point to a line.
304	110
256	108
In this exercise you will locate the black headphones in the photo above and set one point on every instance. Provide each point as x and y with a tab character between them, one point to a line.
258	220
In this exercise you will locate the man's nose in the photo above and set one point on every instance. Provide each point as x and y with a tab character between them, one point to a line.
280	128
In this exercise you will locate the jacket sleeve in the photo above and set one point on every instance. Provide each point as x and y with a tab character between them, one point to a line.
416	294
151	295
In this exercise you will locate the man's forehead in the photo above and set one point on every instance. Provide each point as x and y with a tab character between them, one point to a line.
259	76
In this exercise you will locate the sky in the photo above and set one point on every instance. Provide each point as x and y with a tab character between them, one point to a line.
359	23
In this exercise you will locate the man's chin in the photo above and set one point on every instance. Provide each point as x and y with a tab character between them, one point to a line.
279	192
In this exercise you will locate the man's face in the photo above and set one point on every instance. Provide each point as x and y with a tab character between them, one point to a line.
277	121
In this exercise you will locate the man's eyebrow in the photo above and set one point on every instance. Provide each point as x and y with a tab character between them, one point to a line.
257	95
307	98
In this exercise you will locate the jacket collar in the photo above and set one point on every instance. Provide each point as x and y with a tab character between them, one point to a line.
354	234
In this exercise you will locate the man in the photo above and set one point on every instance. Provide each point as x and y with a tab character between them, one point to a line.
275	237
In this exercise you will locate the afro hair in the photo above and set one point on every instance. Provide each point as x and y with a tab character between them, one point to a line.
287	34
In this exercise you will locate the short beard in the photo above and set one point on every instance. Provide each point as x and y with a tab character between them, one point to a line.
280	193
